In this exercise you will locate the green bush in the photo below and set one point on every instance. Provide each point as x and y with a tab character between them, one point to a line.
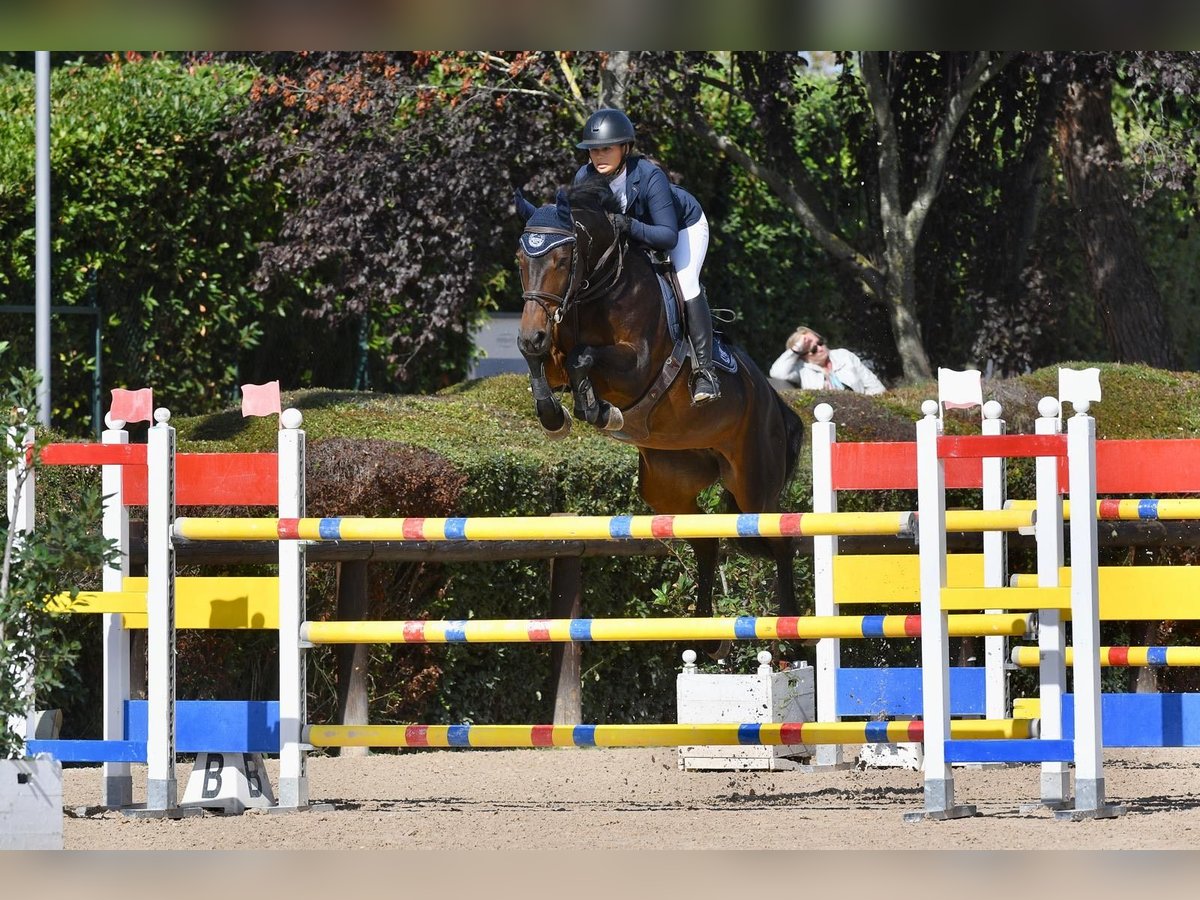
148	225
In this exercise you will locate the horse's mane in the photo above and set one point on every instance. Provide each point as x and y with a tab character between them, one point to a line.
594	193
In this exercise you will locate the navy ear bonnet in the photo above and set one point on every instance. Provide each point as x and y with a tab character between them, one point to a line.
536	243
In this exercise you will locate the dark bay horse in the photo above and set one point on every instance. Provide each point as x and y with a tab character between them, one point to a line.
594	319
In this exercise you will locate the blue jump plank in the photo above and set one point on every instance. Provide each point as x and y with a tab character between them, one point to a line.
215	726
1009	751
90	751
1143	720
897	692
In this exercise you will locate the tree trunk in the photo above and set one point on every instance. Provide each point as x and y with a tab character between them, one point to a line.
901	303
1123	286
614	79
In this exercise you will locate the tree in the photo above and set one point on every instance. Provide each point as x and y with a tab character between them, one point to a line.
1123	285
149	227
400	168
883	258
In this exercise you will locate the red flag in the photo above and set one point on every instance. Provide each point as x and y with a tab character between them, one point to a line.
132	406
260	399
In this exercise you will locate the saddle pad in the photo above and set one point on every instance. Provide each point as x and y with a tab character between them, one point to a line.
723	357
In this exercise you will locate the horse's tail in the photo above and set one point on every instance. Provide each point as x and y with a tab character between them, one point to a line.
793	437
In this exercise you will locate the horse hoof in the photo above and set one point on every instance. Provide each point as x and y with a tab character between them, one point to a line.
616	421
561	432
720	651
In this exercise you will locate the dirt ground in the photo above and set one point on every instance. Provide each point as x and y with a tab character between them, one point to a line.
621	800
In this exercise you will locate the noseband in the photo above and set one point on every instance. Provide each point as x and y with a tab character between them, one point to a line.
576	293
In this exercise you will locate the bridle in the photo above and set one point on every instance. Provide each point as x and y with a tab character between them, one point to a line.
576	292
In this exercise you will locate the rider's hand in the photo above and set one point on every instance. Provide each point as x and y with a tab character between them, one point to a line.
620	224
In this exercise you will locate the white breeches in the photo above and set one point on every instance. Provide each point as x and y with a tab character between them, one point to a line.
688	257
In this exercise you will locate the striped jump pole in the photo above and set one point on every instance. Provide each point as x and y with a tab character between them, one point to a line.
1132	657
746	628
666	735
1132	509
550	528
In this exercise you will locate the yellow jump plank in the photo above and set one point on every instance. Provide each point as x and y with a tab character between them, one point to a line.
895	578
1027	708
1141	592
99	602
200	602
1006	598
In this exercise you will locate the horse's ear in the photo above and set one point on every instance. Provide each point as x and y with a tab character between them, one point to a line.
563	205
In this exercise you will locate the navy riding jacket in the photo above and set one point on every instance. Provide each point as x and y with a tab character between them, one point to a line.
658	210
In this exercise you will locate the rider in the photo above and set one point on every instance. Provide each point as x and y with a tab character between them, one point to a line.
660	215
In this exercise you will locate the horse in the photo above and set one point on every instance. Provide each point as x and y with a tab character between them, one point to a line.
594	319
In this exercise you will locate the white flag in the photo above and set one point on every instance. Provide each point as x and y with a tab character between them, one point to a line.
959	390
1078	386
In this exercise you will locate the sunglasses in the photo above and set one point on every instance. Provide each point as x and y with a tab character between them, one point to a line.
813	349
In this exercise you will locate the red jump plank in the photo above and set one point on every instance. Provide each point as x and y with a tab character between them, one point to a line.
215	479
94	455
1004	445
883	466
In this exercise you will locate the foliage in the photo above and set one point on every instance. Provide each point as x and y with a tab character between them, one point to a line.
34	654
401	182
149	226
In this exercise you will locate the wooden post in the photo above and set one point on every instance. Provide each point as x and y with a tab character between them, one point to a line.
566	602
352	659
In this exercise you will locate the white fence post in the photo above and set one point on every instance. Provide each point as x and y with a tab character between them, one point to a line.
161	789
116	778
1085	620
935	642
293	690
1052	640
825	548
995	567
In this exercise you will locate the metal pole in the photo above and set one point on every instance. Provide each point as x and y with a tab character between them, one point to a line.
42	230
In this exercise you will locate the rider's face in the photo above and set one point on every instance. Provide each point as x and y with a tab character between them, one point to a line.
606	160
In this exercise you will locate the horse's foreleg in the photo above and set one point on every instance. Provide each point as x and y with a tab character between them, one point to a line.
550	413
588	406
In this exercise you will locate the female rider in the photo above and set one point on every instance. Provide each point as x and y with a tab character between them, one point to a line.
655	214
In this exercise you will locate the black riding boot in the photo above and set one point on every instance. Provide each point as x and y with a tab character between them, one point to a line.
699	321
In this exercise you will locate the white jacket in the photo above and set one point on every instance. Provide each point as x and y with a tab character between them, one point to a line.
848	372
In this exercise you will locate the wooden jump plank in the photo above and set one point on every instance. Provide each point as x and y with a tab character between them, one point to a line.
200	602
958	599
895	578
1141	592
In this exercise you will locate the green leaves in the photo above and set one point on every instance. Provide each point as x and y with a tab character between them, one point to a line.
34	653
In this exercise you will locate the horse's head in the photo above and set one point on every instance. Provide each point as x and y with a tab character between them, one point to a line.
568	254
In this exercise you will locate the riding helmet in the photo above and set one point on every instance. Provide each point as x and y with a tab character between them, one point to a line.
606	127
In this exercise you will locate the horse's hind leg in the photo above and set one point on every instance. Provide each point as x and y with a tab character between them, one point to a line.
756	483
670	481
